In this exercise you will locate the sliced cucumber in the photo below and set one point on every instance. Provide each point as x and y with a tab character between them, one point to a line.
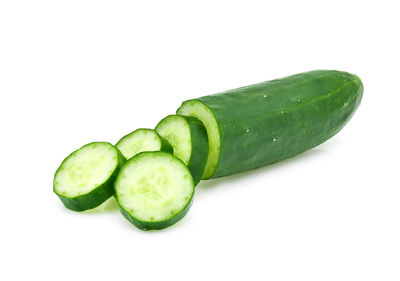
199	110
142	140
188	137
86	177
264	123
154	190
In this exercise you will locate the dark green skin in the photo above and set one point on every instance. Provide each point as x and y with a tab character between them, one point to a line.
199	146
149	225
297	113
165	146
98	195
198	157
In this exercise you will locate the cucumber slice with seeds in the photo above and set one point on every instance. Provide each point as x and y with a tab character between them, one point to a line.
154	190
142	140
85	179
188	137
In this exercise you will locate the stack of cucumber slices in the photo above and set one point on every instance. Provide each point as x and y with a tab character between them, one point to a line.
153	173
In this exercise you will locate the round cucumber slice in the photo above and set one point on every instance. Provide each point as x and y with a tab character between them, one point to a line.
142	140
188	137
86	177
154	190
199	110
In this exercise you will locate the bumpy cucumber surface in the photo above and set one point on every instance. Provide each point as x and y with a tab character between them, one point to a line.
142	140
154	190
85	179
260	124
188	137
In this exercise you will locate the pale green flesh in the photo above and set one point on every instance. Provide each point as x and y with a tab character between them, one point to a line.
138	141
177	132
203	113
154	187
85	169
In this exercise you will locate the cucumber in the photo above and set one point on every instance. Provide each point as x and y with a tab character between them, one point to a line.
85	179
142	140
260	124
188	137
154	190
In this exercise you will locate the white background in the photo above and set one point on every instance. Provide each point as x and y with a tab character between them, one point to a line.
73	72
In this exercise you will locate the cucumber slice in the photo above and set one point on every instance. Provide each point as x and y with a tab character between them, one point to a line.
154	190
199	110
85	179
142	140
188	137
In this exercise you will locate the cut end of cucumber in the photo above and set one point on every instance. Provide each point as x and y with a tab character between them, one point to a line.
177	132
199	110
138	141
85	169
154	189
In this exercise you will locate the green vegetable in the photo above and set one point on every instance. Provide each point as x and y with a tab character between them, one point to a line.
154	190
86	177
142	140
188	137
260	124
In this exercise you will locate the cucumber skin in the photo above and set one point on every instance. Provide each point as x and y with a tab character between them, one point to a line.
147	225
199	146
98	195
267	122
199	154
165	146
156	225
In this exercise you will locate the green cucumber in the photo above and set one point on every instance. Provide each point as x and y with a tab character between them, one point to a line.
188	137
85	179
260	124
142	140
154	190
